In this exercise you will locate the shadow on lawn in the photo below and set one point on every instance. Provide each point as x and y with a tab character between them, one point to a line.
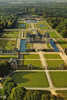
18	77
30	67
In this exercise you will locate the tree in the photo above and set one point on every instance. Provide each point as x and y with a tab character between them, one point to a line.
17	93
36	95
5	68
32	95
28	95
43	97
8	85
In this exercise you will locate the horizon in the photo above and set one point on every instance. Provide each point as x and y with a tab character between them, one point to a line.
33	1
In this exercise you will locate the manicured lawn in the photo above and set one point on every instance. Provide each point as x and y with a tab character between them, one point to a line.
53	64
52	56
7	45
63	43
54	35
8	56
30	79
49	46
59	79
31	56
10	34
35	63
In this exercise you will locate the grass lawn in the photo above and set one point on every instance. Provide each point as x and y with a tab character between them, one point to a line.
31	79
31	56
63	43
8	56
52	56
59	79
54	35
7	45
10	34
54	64
35	63
49	46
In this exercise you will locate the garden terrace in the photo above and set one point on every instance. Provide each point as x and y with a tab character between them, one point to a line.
55	64
54	61
59	79
34	64
31	79
52	56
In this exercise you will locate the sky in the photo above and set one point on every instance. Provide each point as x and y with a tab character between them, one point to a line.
32	0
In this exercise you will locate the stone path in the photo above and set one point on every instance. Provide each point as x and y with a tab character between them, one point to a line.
18	41
40	71
64	57
47	89
44	64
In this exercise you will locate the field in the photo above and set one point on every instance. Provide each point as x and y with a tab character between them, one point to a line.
31	79
59	79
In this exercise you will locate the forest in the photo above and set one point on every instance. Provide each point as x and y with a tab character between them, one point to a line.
55	14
